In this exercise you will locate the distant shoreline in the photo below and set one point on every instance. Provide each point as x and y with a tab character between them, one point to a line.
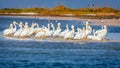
89	16
97	21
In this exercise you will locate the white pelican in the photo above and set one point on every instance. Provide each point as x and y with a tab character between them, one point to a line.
42	32
25	31
37	29
31	29
79	34
58	31
100	30
17	33
62	34
15	27
50	32
6	32
11	30
83	33
70	34
88	29
94	37
102	33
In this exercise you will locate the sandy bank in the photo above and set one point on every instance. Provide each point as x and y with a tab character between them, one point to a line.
109	22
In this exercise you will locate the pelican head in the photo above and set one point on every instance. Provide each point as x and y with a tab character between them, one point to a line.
21	23
14	22
26	23
11	26
52	25
72	26
59	24
105	27
66	26
34	24
87	24
48	24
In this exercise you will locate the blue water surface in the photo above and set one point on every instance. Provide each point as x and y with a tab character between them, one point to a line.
26	53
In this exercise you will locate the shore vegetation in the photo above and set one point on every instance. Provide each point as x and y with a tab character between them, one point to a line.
61	10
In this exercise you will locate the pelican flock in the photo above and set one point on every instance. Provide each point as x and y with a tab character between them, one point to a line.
22	30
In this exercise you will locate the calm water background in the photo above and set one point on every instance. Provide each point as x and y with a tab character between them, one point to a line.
27	53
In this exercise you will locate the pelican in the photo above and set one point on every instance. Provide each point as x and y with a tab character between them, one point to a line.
79	34
31	29
94	37
88	29
17	33
42	32
58	31
62	34
6	32
100	30
25	31
70	34
15	27
11	30
50	32
37	29
83	33
102	33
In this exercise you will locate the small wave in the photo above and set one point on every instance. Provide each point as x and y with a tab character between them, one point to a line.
40	40
112	37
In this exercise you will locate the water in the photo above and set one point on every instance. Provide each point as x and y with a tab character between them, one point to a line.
32	53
